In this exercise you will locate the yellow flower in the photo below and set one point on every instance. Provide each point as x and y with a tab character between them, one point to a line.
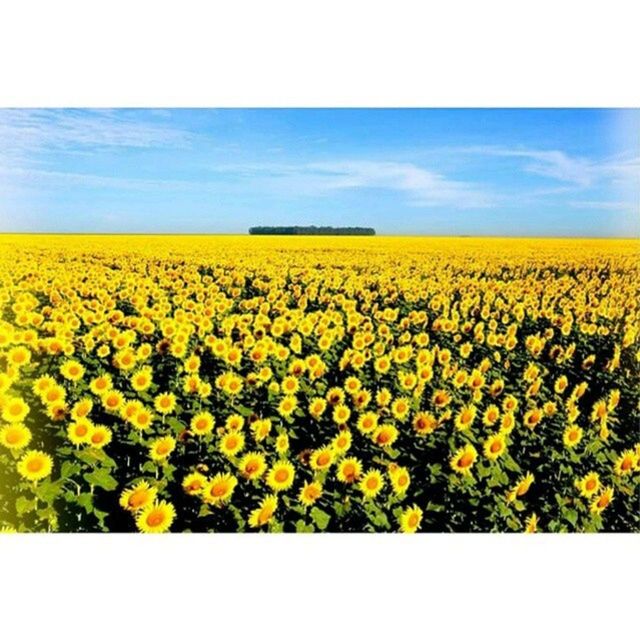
15	410
521	487
494	446
161	448
202	423
572	436
264	513
99	437
531	525
371	483
385	435
219	489
72	370
194	483
463	459
15	436
281	475
231	443
588	485
156	517
35	465
321	459
349	470
602	500
141	495
400	479
410	519
465	417
310	493
165	403
626	463
252	465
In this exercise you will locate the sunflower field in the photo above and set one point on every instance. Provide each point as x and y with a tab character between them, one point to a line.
230	383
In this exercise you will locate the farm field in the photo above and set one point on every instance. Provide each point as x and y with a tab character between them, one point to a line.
356	384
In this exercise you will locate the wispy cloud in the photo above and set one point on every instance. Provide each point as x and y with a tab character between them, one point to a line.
561	166
422	187
605	205
35	130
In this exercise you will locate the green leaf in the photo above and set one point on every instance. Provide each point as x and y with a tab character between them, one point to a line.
301	527
69	469
85	500
48	491
320	518
101	478
24	505
572	516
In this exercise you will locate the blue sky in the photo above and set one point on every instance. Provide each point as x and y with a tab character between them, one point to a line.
547	172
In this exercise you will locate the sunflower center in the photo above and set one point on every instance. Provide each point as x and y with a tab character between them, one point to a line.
413	520
372	483
495	446
590	484
281	475
35	464
13	437
466	460
155	518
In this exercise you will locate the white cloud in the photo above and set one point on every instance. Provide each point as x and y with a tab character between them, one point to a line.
28	131
561	166
423	188
606	205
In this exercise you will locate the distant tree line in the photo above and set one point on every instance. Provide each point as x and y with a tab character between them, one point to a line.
312	231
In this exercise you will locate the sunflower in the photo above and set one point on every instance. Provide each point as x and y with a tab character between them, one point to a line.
371	483
400	479
531	525
264	513
309	493
287	406
101	384
143	419
367	422
572	436
410	519
282	443
465	417
141	495
161	448
349	470
261	429
79	431
424	423
532	418
588	485
219	489
341	414
234	422
252	465
494	446
35	465
15	436
194	483
317	407
14	410
521	487
100	436
400	409
231	444
491	415
463	459
112	400
342	442
625	463
321	459
156	517
202	423
281	475
141	379
385	435
602	500
165	403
